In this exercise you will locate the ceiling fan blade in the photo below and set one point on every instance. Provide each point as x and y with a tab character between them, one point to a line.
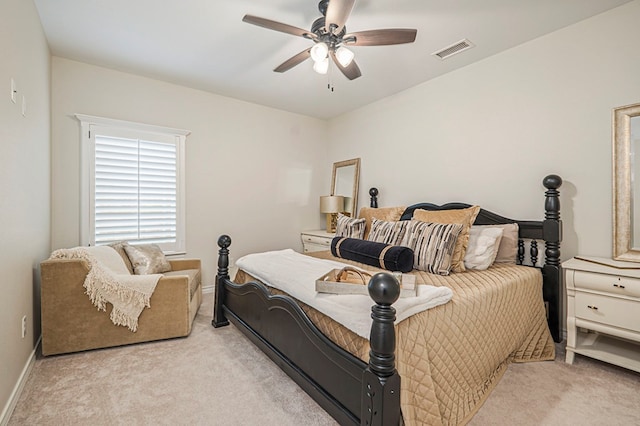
277	26
293	61
337	13
351	71
381	37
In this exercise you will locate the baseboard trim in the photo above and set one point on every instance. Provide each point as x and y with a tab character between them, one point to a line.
17	389
211	287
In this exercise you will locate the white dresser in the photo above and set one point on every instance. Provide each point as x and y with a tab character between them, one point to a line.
603	310
316	240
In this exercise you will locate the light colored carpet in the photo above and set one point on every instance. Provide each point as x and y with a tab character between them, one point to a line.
218	377
551	393
213	377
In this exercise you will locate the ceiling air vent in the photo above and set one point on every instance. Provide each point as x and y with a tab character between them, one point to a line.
453	49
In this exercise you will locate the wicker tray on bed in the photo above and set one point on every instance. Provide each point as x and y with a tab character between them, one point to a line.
353	281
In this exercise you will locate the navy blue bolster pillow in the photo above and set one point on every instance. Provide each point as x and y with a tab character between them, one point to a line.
385	256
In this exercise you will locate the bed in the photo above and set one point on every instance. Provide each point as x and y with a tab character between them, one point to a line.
435	367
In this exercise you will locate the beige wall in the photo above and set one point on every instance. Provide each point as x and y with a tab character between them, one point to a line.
489	133
24	185
253	172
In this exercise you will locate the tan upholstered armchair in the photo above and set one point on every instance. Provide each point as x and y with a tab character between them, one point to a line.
71	323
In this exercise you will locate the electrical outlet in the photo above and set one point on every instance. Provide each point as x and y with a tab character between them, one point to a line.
24	326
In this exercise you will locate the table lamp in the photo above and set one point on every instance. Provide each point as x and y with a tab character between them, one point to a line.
331	205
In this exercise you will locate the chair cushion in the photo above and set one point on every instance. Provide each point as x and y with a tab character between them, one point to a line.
194	278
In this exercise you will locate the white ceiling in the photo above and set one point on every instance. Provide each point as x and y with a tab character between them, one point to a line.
204	44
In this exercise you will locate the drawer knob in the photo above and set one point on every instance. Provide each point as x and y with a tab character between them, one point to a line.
618	285
595	308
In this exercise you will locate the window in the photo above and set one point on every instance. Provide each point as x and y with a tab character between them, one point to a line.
132	184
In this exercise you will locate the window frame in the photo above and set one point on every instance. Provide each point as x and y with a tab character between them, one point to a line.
89	126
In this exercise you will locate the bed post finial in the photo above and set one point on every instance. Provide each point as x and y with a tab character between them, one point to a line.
373	192
552	225
219	320
552	234
381	381
552	204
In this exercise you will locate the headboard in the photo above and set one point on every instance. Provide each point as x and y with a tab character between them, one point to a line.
530	232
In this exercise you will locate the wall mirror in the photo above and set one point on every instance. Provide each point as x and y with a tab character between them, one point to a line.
344	181
626	189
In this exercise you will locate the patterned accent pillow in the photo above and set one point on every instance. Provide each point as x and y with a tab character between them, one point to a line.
350	227
464	216
387	232
433	245
147	259
382	213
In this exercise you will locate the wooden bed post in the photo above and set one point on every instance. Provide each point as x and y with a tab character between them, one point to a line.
552	270
219	319
381	381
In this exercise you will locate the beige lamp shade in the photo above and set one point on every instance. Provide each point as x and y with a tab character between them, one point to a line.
331	204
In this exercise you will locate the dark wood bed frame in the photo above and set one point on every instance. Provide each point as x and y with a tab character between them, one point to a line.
350	390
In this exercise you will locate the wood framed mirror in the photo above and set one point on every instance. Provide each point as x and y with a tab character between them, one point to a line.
344	181
626	189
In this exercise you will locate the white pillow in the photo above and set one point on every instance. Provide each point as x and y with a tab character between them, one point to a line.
508	250
482	248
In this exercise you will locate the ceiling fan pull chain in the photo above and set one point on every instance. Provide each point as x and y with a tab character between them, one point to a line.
329	79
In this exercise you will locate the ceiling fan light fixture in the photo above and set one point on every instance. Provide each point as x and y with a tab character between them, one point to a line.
319	52
321	66
329	34
344	56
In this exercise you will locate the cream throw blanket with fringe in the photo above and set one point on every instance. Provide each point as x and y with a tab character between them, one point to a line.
109	281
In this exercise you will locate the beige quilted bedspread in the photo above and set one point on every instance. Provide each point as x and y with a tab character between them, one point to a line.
452	356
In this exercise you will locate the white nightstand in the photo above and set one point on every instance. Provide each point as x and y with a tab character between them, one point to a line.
316	240
603	310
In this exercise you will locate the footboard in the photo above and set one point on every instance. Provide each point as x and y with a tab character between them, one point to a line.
352	391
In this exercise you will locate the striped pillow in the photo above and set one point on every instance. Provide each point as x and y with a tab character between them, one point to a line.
387	232
382	213
433	245
350	227
464	216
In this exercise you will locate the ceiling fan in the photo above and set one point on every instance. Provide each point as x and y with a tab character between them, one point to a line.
330	38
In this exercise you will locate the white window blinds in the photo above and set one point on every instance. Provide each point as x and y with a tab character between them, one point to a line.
133	184
135	191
